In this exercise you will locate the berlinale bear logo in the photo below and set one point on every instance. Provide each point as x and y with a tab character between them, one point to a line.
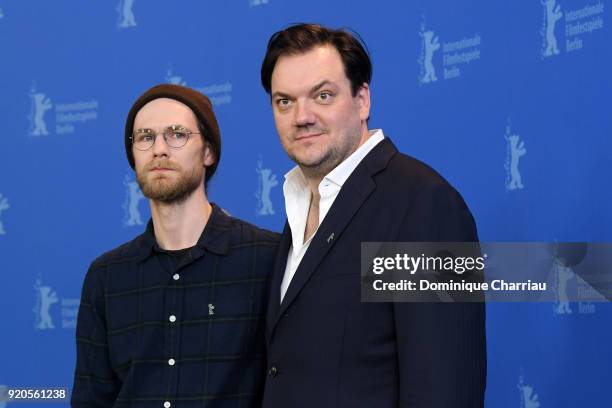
45	297
4	205
430	45
516	150
40	104
126	14
528	398
552	15
266	181
133	196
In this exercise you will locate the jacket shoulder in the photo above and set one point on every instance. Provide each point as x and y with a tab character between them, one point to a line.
407	173
124	252
244	232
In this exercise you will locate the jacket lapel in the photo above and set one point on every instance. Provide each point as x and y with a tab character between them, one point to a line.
352	195
278	272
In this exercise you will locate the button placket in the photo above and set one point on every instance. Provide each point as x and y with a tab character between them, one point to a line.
172	311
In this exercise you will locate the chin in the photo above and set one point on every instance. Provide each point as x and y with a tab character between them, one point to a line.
318	163
308	160
312	156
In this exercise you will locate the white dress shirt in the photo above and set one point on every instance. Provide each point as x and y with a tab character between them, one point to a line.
298	196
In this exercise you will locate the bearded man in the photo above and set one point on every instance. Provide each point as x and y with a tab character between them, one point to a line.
174	318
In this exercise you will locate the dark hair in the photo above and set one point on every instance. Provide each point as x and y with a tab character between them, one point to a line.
301	38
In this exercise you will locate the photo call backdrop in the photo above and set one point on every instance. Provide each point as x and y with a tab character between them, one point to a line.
509	100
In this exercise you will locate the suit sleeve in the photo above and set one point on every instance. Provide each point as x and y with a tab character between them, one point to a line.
95	383
441	346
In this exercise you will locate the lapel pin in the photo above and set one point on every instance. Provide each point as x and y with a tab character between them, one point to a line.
211	309
330	238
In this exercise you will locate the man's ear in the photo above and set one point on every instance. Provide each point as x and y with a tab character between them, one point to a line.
209	157
363	99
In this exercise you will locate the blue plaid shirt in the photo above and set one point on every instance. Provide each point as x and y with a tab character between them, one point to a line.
157	330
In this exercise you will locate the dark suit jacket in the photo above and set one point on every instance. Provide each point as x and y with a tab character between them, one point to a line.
328	349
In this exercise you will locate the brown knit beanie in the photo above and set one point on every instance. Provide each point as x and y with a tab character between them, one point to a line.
196	101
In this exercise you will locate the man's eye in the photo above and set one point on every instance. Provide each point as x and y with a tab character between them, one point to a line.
325	96
179	135
282	102
144	137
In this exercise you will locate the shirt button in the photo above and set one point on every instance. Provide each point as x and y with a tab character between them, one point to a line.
176	276
171	362
273	371
167	404
172	318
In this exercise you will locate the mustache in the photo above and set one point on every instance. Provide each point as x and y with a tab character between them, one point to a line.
162	163
307	130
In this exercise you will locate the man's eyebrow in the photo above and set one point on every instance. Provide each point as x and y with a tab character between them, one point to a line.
174	125
314	89
279	94
321	85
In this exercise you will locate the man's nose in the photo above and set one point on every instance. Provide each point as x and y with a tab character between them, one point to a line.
160	147
304	115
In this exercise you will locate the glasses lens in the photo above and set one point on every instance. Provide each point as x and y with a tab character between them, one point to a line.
143	140
176	137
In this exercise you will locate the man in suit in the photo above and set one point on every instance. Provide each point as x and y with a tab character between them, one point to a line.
326	348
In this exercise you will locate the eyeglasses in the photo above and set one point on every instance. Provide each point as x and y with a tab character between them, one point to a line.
175	136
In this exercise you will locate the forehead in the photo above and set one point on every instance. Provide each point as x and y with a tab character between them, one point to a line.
164	112
293	73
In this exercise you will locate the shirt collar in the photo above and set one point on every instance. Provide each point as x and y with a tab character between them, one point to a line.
214	238
295	181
